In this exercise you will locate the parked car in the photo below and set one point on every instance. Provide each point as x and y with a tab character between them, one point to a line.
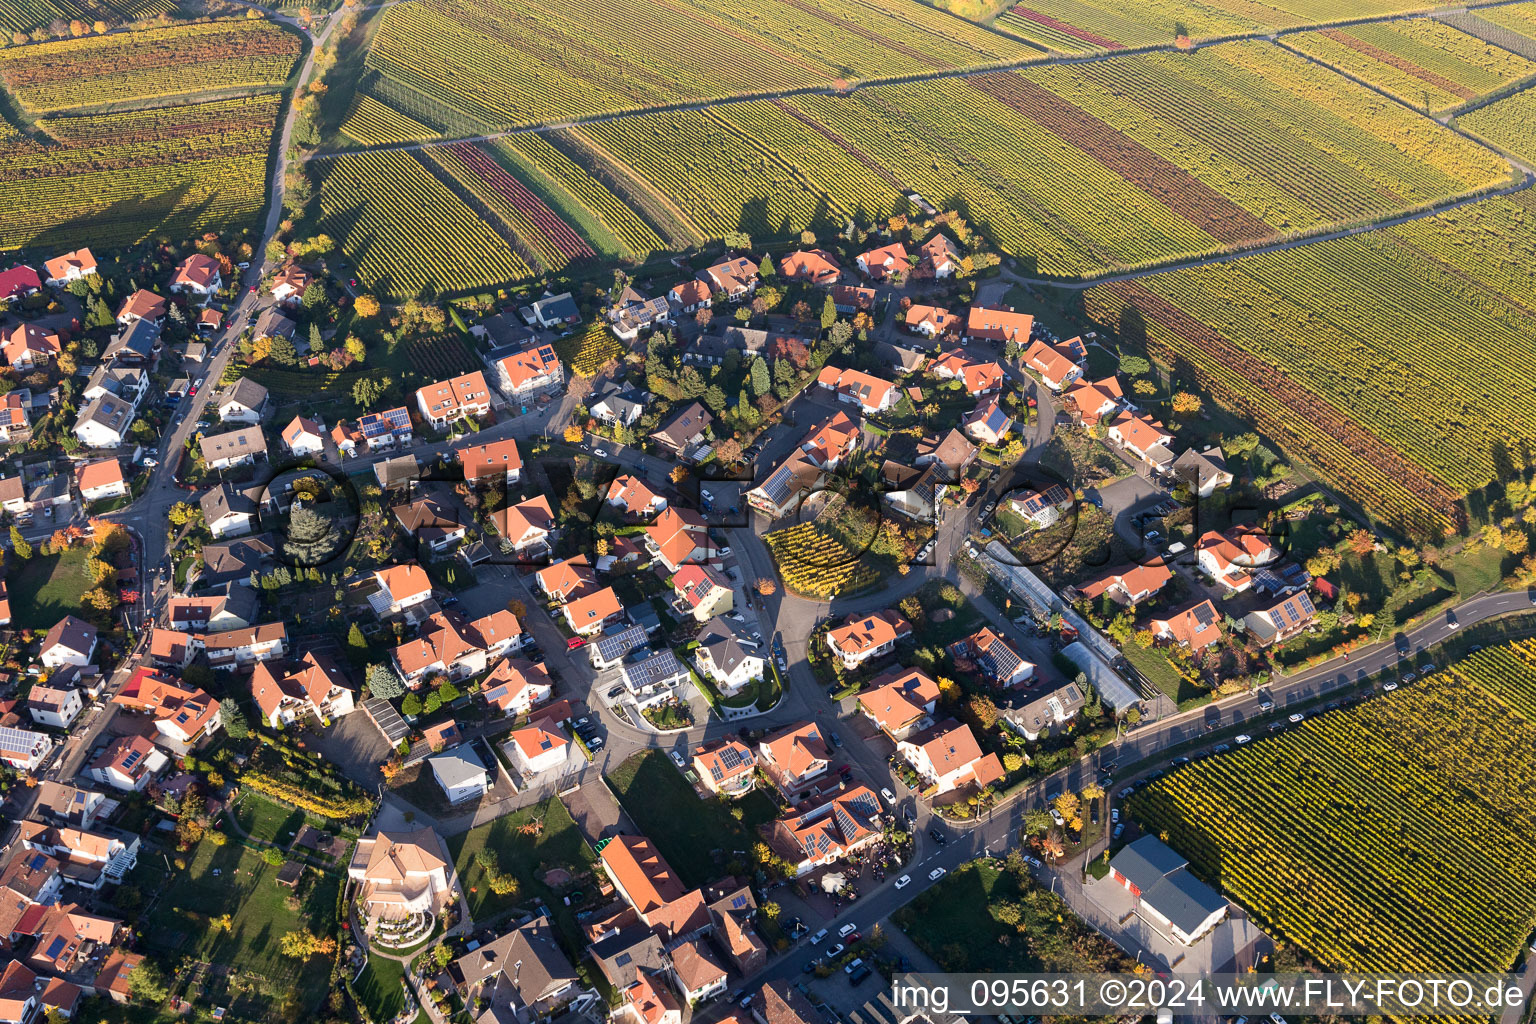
1114	815
835	949
575	642
847	930
677	759
810	965
816	939
1297	717
1244	738
887	795
1389	687
837	741
1057	818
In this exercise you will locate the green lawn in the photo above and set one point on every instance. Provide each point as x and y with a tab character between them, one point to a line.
48	587
378	988
261	912
263	819
686	830
526	856
1160	673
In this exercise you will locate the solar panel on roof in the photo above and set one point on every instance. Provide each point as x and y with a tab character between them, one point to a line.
739	902
55	947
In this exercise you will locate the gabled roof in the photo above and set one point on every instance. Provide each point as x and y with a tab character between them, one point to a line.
403	581
235	444
811	264
196	270
81	260
998	324
641	871
870	390
724	759
447	398
1198	625
632	493
899	697
301	426
695	583
495	458
244	392
797	748
571	577
532	514
143	304
951	747
1140	432
100	473
70	634
594	607
866	632
693	419
677	533
532	363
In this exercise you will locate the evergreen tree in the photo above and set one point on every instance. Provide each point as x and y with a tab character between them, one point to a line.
828	313
714	399
383	682
19	545
690	384
759	375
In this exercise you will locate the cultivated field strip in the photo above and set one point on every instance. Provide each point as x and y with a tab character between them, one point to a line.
1395	835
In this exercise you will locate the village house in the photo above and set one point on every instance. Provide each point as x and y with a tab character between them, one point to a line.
684	430
900	701
198	275
91	859
950	455
1000	325
401	587
696	972
430	522
537	747
735	278
1041	509
1196	627
290	283
647	1001
515	686
812	266
931	321
182	715
988	423
15	417
1203	473
947	757
228	511
979	378
23	749
104	422
1089	403
654	678
170	648
868	392
827	831
68	805
589	615
400	874
850	299
794	757
51	706
1128	585
520	977
244	401
72	266
237	647
690	296
1228	556
1144	438
231	607
128	763
29	347
492	462
1278	623
633	312
567	579
141	305
702	592
994	657
867	636
449	645
614	403
303	437
678	536
637	500
71	641
318	688
1057	365
529	372
100	479
725	766
915	493
1055	710
385	429
526	527
727	657
938	258
457	398
460	774
235	448
233	561
888	260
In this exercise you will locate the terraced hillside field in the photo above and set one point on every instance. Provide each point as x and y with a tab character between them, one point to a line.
1074	26
25	15
1420	61
1075	169
1396	835
407	231
117	179
460	66
154	64
1398	363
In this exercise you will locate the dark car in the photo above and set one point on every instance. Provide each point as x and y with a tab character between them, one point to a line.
834	690
614	693
937	836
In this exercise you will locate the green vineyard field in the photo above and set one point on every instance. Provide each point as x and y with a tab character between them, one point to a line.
1404	411
119	179
1396	835
153	64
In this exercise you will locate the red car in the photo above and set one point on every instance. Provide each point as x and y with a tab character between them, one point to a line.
575	642
192	391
